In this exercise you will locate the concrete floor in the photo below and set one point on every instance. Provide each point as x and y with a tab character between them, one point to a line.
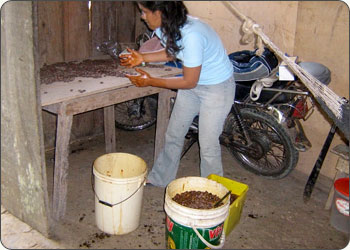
274	214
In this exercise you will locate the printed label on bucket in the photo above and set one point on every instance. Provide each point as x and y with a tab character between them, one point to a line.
182	237
342	206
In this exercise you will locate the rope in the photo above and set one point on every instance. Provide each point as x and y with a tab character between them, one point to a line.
247	28
260	84
332	100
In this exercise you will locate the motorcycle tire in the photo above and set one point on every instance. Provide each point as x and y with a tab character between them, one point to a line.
137	114
272	154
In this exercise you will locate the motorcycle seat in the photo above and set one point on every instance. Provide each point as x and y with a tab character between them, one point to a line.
248	66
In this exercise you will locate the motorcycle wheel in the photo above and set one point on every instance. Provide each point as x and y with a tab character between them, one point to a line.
271	154
136	114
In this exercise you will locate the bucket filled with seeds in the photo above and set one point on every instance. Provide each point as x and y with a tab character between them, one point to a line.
195	213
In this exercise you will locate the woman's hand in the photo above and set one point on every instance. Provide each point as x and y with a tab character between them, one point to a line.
187	81
142	80
131	60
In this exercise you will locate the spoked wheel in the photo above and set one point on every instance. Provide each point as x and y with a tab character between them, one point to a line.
271	153
136	114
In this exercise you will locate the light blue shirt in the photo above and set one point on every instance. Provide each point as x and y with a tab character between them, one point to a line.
201	45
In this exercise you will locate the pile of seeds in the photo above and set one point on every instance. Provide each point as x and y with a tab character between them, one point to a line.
197	199
68	71
233	197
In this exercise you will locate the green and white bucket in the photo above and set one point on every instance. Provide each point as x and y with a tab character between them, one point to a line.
189	228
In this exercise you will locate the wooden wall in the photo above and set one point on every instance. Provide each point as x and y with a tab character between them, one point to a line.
277	19
71	31
50	32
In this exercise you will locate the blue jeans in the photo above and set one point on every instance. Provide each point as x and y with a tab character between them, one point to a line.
213	103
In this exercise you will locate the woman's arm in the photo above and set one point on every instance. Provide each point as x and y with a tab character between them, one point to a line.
187	81
136	58
159	56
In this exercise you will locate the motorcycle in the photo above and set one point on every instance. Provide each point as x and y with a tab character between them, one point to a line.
263	130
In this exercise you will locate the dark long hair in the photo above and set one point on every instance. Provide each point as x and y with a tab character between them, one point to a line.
174	16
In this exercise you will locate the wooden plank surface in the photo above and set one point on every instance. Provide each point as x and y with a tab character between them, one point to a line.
76	36
50	32
64	125
23	171
103	24
125	21
107	98
64	91
163	116
109	127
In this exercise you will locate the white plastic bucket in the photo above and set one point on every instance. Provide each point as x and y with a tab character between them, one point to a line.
188	228
118	186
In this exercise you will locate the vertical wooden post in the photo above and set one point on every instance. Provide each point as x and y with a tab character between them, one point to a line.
64	125
23	170
126	12
76	34
103	23
163	115
109	120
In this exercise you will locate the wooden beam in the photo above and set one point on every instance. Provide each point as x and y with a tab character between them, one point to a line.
109	126
23	169
50	32
64	125
163	112
126	21
83	104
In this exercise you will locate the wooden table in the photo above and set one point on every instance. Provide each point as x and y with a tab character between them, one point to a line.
66	99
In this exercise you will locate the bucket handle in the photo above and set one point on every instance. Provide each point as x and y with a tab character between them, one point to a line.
109	204
222	240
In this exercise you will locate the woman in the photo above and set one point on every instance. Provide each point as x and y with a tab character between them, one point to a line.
206	87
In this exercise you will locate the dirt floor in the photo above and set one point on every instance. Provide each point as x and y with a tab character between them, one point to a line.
274	214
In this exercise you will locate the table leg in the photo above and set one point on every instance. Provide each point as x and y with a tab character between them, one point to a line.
109	127
64	125
163	115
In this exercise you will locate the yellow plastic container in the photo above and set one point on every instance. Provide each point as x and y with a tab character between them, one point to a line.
236	207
